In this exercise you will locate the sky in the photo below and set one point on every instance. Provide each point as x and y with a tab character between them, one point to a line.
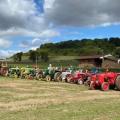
26	24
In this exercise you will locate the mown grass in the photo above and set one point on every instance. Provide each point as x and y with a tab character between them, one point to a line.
40	100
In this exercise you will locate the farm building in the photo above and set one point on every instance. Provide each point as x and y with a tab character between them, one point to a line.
99	61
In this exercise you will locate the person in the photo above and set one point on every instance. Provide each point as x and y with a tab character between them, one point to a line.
50	68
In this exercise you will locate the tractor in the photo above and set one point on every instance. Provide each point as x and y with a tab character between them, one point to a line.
28	73
14	72
105	81
62	74
50	75
78	77
38	74
4	69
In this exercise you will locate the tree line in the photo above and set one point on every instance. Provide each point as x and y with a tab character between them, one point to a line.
74	48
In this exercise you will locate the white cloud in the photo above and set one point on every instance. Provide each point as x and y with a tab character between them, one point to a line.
49	33
20	17
48	4
35	43
41	38
5	43
6	54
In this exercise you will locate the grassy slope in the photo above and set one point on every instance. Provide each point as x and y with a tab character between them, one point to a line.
54	60
39	100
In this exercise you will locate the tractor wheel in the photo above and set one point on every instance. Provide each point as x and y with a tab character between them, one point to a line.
68	79
56	76
48	78
80	82
30	77
60	78
117	82
92	86
105	86
87	83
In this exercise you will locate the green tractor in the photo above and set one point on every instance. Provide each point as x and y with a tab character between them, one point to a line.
27	73
48	74
14	72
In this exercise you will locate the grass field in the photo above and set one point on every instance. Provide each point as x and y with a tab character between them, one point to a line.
40	100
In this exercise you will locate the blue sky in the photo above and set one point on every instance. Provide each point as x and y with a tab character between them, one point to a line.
26	24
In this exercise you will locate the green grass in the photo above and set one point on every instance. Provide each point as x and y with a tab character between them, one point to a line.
40	100
54	60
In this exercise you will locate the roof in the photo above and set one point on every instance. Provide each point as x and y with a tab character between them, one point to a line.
111	58
90	57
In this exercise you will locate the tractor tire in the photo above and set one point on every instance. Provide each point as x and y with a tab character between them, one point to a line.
87	83
30	77
60	79
48	78
92	86
117	82
68	80
56	76
105	86
80	82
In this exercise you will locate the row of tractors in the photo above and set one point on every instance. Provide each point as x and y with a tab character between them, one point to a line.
93	79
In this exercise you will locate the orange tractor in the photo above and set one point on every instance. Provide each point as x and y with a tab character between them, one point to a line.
105	81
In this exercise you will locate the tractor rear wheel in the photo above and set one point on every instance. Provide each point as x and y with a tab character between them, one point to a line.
105	86
48	78
92	86
56	76
117	82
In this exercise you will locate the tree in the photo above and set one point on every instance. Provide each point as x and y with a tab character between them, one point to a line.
15	58
117	52
18	56
44	56
33	55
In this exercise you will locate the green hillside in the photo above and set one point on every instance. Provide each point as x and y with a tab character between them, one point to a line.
67	51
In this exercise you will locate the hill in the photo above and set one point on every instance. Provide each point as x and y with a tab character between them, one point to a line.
69	50
82	47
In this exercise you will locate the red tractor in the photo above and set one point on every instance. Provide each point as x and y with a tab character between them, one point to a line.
78	78
4	69
105	81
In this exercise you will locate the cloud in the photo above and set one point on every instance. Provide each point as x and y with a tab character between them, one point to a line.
83	12
26	18
6	54
41	38
35	43
17	15
22	17
49	33
5	43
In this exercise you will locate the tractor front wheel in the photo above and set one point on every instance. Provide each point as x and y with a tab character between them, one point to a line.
117	82
80	82
105	86
92	86
48	78
68	79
